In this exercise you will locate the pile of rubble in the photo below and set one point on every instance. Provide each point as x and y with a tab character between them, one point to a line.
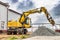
43	31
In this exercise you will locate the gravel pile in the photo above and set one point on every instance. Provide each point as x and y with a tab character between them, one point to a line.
43	31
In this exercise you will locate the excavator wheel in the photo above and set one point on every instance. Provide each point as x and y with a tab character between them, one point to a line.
9	32
20	32
24	31
14	32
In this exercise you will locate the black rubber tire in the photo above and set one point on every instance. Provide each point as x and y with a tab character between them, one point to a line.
24	31
9	32
20	33
14	32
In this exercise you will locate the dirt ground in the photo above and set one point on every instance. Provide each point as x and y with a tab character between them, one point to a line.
12	37
4	37
44	38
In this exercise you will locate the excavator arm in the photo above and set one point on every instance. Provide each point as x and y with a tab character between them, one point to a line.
25	14
37	10
49	18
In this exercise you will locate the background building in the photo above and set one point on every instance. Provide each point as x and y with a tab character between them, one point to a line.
3	15
13	15
6	15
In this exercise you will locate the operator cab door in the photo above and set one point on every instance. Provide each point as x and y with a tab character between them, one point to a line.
27	23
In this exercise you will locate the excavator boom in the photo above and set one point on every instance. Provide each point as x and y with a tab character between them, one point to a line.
37	10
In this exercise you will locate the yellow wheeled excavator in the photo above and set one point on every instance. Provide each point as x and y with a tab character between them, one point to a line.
24	21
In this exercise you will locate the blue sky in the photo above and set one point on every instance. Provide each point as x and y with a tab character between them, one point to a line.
53	7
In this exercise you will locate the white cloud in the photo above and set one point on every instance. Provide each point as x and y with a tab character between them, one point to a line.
49	4
4	1
13	6
57	20
20	0
46	3
34	17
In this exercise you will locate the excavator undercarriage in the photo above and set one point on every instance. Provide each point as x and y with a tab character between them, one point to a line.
15	31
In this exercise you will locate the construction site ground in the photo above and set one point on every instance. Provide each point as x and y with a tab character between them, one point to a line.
42	33
10	37
6	37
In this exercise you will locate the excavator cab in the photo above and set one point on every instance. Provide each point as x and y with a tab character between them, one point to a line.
27	23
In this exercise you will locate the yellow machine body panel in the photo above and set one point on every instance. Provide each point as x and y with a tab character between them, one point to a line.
17	24
14	24
27	25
